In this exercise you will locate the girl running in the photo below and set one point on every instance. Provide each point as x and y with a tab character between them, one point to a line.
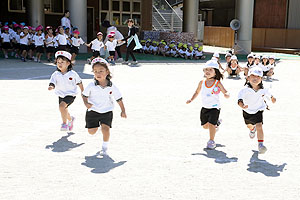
98	98
49	41
251	100
65	82
209	90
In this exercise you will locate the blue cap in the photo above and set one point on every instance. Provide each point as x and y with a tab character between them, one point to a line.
75	27
22	23
13	22
6	23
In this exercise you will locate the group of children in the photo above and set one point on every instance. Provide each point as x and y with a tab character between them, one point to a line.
98	96
252	98
266	63
173	49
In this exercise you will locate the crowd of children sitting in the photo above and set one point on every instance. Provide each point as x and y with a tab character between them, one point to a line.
172	49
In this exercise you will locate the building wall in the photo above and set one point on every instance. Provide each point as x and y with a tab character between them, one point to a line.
294	14
270	14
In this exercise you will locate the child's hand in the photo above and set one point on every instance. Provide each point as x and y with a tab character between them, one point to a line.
226	95
273	99
188	101
244	106
50	88
88	105
123	114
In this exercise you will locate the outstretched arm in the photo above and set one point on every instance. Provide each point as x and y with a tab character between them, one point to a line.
195	94
223	90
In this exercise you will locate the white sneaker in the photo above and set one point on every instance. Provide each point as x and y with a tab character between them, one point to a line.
135	63
125	63
64	127
119	60
262	148
103	152
252	133
211	144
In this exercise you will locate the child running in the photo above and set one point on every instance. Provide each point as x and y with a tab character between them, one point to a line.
98	98
210	89
96	46
251	100
65	82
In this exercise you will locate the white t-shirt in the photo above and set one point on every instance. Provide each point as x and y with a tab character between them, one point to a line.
17	37
118	35
209	98
146	48
152	48
97	44
181	51
198	53
77	41
24	40
266	68
111	46
189	53
39	40
173	51
65	84
55	41
6	37
62	39
49	41
254	99
66	22
102	98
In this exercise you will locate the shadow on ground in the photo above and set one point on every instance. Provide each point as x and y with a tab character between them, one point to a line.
101	164
63	144
257	165
219	156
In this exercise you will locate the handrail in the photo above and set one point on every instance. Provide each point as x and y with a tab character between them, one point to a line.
161	16
159	23
173	10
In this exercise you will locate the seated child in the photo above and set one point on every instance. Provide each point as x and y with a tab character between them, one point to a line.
233	67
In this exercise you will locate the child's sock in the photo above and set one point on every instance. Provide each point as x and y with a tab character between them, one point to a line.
104	145
260	142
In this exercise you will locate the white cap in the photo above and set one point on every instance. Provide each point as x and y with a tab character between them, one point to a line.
64	54
257	56
228	55
216	54
211	64
233	57
214	58
265	56
257	71
25	27
99	60
250	55
272	57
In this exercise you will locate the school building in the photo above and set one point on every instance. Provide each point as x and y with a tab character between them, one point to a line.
265	24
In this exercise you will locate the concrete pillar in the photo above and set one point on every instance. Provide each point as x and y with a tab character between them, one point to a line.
190	16
244	10
78	17
35	12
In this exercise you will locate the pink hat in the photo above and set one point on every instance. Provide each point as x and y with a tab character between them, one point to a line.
76	32
48	27
111	35
64	54
99	33
16	25
6	27
112	32
39	28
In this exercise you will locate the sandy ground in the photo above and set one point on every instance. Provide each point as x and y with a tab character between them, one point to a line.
158	152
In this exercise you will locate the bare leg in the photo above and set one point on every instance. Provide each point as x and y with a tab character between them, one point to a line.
260	132
64	112
92	131
105	131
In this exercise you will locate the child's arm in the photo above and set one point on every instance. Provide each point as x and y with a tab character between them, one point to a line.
121	104
80	85
86	103
273	99
241	104
196	93
223	90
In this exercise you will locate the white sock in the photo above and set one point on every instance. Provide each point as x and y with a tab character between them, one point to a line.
104	145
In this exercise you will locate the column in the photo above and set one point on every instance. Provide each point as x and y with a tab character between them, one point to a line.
190	16
35	12
78	17
244	10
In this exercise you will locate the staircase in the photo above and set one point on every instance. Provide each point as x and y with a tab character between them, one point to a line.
166	19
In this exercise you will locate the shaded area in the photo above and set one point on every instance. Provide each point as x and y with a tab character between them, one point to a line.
219	156
63	144
101	164
257	165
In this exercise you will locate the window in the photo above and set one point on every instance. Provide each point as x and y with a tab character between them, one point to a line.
16	6
119	11
54	6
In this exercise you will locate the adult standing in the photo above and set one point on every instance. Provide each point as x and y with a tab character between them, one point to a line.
132	41
118	36
65	21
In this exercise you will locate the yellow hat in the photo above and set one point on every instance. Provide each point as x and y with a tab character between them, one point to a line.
196	45
185	45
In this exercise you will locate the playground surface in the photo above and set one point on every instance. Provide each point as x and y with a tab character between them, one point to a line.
158	152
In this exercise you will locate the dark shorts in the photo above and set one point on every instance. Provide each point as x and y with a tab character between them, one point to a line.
266	72
233	72
39	49
62	48
6	45
94	119
96	53
111	53
210	115
253	118
24	47
32	47
50	49
16	46
67	99
74	50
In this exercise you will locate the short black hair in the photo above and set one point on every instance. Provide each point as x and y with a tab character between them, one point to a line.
66	11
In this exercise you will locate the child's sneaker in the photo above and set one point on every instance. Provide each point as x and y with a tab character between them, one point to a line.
103	152
125	63
64	127
252	133
70	124
211	144
218	124
262	148
89	61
